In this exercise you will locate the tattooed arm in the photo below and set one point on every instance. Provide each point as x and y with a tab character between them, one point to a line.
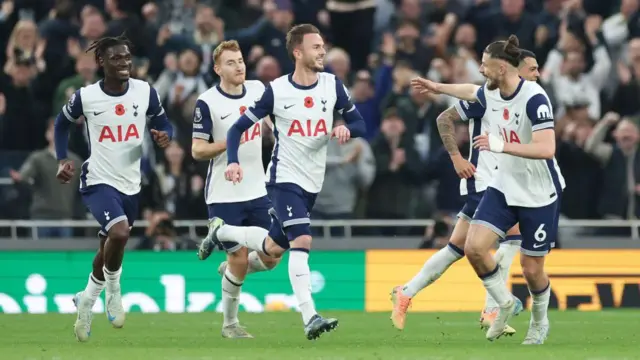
446	127
462	110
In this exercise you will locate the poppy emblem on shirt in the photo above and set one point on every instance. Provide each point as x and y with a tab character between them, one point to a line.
119	109
505	114
242	109
308	102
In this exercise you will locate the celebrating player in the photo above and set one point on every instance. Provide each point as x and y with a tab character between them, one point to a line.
475	173
247	203
117	110
526	187
302	105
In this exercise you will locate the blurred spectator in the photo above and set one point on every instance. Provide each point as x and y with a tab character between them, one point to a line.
398	167
51	199
568	78
350	172
368	95
580	169
625	99
25	47
86	68
22	125
620	195
182	190
161	235
356	40
125	21
510	18
340	64
268	69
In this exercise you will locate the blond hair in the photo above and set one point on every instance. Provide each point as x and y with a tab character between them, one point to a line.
21	26
230	45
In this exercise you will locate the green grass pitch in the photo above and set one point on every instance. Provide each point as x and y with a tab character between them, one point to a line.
279	336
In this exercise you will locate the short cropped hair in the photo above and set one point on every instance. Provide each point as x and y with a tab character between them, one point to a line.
230	45
296	35
525	54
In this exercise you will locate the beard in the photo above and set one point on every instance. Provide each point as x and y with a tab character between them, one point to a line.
312	65
492	84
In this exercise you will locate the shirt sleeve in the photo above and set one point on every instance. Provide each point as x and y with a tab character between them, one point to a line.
155	108
472	110
262	108
343	101
202	122
155	114
540	113
73	109
349	112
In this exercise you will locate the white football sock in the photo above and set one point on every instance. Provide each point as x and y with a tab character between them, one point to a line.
497	288
112	279
230	298
435	266
255	263
504	257
540	305
94	288
300	277
250	237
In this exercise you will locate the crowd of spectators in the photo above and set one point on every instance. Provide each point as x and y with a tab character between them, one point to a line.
588	51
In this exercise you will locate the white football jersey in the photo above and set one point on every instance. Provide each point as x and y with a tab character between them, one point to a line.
524	182
485	162
303	121
116	124
215	112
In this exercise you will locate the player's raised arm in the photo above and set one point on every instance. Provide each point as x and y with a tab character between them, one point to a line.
161	128
70	113
351	115
262	108
543	139
201	148
466	92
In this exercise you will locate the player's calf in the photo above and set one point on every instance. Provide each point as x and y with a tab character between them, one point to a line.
118	235
540	290
232	280
257	262
477	250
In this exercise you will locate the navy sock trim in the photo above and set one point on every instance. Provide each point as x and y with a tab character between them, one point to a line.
490	273
264	247
456	249
300	249
232	282
541	291
513	238
96	281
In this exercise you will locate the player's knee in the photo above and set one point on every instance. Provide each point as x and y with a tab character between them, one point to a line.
302	241
239	257
532	267
472	252
271	249
299	235
270	261
119	232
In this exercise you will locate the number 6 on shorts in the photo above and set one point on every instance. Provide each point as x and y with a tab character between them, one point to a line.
539	227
